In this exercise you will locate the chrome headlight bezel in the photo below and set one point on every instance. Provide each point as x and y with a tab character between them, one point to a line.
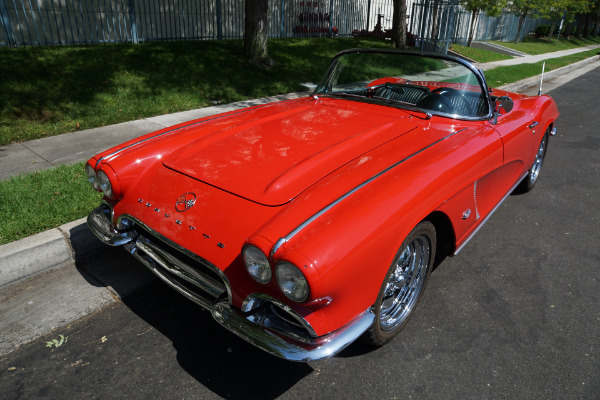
257	264
105	184
92	177
292	282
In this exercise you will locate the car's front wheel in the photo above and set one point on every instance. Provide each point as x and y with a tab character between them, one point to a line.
404	284
534	172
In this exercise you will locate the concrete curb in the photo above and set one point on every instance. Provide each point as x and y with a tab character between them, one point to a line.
53	248
535	80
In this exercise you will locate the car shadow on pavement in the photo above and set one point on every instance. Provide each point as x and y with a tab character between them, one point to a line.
213	356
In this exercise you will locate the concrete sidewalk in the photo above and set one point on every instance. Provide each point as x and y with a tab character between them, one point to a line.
536	58
37	269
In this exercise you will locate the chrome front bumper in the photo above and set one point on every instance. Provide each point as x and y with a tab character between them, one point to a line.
256	326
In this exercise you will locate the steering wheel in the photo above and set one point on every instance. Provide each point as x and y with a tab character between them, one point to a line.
459	104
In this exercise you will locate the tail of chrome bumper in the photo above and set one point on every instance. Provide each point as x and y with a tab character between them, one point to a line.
244	324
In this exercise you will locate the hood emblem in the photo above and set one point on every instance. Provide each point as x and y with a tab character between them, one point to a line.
185	202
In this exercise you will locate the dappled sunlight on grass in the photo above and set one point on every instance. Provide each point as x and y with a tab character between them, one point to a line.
46	91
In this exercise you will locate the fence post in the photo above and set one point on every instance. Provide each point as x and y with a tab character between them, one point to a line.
368	13
219	23
8	30
132	21
330	35
282	19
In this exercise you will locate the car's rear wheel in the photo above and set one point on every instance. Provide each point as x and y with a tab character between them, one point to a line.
404	284
534	172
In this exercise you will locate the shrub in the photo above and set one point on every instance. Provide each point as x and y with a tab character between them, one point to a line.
542	30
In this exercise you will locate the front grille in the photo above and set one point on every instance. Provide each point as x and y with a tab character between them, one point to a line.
190	275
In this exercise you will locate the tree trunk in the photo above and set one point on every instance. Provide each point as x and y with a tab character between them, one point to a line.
399	24
474	15
586	25
255	34
568	30
551	31
595	27
521	20
579	26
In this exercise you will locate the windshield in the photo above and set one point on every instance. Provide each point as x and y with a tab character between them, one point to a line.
426	83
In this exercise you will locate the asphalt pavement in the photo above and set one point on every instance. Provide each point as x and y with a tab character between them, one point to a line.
560	258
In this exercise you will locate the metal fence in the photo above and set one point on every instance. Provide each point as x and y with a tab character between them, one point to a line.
440	23
60	22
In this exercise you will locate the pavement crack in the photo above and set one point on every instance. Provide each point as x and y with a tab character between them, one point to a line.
37	154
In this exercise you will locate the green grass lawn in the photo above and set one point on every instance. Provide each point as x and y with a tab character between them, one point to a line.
46	91
43	200
479	55
533	45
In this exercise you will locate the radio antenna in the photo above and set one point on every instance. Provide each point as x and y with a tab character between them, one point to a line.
542	80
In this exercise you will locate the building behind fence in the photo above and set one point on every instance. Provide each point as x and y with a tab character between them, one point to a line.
68	22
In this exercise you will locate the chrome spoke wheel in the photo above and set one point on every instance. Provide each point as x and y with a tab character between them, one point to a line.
539	159
405	283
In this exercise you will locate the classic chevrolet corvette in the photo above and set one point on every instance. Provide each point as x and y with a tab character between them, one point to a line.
305	224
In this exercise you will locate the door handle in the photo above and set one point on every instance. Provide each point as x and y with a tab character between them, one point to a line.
533	125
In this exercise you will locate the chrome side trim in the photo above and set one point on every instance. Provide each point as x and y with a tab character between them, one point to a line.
293	233
489	215
319	348
553	131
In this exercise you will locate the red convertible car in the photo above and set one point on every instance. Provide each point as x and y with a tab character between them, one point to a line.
305	224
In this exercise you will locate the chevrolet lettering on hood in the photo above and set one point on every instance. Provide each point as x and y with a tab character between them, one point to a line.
334	207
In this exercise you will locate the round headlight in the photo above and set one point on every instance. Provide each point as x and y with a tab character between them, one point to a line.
105	185
291	281
92	177
257	264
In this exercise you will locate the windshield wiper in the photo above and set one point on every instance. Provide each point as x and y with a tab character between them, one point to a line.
403	105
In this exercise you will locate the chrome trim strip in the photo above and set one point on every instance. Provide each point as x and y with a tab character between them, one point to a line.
319	348
293	233
218	116
489	215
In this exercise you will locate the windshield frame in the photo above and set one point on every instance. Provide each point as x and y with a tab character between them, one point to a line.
330	76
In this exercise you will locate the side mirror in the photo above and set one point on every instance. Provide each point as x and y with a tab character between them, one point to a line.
502	102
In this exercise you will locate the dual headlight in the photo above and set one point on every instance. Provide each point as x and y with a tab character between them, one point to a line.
290	279
99	181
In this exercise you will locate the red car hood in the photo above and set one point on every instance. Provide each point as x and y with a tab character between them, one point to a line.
270	155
